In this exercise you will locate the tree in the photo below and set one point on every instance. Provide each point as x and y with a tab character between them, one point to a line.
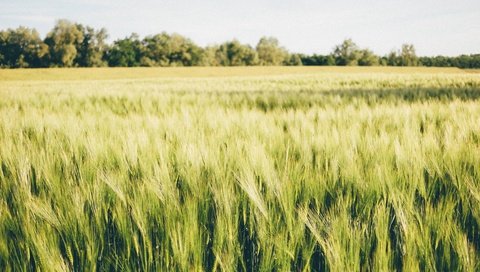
234	53
330	60
367	58
383	61
126	52
21	48
71	44
408	55
63	41
170	50
208	56
294	60
393	59
270	52
347	53
91	50
182	51
157	49
318	60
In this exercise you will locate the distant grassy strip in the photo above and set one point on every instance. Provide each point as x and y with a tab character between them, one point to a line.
186	72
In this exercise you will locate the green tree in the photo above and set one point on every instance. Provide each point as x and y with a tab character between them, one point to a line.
208	56
157	50
233	53
63	40
22	47
330	60
170	50
317	60
347	53
408	55
367	58
294	60
91	50
270	52
182	51
126	52
393	59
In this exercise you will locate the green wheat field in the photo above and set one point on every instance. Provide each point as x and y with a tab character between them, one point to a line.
240	169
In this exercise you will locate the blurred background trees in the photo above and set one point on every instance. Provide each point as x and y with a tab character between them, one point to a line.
270	52
71	44
233	53
21	48
347	53
63	41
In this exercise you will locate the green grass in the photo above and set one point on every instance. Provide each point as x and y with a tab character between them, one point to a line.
247	169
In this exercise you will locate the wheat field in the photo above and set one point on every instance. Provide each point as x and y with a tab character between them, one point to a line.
240	169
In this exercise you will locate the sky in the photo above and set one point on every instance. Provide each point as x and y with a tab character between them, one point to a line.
435	27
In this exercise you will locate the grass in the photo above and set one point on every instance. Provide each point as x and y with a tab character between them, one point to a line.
202	72
250	169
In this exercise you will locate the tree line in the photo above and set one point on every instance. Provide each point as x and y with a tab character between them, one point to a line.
71	44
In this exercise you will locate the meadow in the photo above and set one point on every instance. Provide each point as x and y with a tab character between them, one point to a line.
240	169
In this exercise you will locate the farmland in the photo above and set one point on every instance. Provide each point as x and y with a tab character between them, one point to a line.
248	169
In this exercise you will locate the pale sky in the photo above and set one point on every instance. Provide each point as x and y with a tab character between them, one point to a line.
435	27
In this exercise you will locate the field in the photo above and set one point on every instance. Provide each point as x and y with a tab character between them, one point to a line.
240	169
